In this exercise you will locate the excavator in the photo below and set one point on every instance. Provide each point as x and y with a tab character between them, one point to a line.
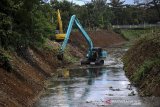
95	55
59	37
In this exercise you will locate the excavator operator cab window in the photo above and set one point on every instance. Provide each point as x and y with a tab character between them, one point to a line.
98	50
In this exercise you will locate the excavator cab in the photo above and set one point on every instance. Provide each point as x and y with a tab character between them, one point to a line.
97	57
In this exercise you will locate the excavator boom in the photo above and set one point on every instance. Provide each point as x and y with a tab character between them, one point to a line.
59	37
59	22
87	38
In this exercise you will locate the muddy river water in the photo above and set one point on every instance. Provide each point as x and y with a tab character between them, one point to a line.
94	86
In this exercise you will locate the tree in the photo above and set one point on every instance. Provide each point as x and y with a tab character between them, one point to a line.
150	3
116	3
98	14
24	23
117	8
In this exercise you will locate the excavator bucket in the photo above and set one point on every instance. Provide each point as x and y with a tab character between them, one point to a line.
60	57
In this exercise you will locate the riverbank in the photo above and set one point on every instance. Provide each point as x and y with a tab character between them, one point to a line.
23	73
142	64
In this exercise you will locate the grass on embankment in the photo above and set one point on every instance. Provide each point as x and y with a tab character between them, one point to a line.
142	63
133	34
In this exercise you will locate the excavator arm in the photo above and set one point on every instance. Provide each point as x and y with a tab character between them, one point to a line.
59	37
84	33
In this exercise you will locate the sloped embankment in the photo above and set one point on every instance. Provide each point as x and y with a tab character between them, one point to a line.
142	64
101	38
23	73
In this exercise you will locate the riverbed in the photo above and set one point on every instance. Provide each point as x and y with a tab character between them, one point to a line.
94	86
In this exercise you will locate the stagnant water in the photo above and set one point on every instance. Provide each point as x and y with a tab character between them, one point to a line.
94	86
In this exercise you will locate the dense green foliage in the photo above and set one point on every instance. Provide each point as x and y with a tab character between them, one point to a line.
96	14
24	23
100	14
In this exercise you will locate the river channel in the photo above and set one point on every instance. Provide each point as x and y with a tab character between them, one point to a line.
94	86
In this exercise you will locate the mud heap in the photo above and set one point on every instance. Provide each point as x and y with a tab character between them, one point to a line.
101	38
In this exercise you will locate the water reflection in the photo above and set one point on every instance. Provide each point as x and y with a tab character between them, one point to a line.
70	87
71	76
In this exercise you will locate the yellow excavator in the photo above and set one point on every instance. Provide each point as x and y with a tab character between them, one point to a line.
60	36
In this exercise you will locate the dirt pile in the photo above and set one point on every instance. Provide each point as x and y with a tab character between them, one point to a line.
101	38
142	64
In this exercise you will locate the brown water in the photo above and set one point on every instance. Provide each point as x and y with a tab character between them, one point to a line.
94	86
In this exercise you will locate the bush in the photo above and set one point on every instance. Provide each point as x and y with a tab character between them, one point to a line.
25	23
142	56
144	69
5	59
